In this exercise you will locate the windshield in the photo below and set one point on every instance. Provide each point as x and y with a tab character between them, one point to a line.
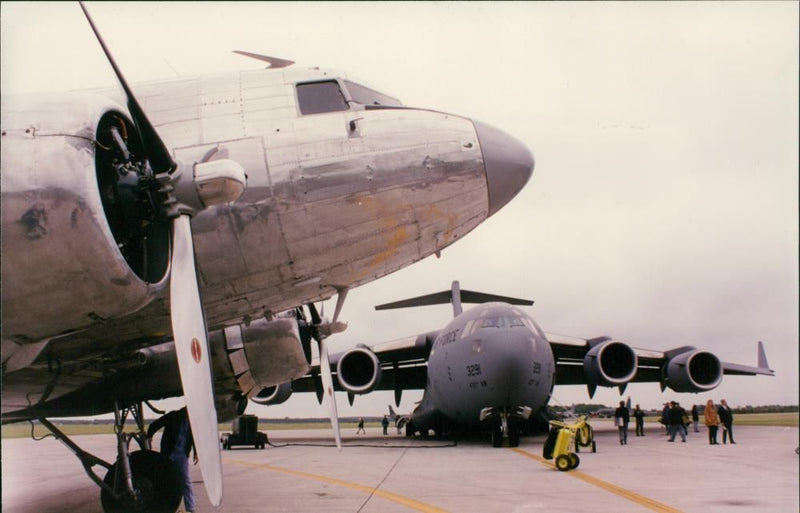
502	322
370	97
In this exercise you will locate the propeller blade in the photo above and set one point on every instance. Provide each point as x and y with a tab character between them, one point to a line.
194	358
320	333
155	150
327	384
317	386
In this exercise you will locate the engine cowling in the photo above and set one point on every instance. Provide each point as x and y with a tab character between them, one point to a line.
262	354
67	188
359	370
229	407
276	394
693	371
610	364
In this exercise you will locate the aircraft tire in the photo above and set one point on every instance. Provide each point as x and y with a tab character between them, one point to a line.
156	480
497	438
562	463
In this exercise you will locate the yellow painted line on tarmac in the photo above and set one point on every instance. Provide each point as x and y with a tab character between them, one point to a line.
405	501
605	485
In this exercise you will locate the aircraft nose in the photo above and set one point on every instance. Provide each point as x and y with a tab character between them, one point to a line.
508	163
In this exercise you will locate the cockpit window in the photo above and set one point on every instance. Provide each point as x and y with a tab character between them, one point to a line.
502	322
319	97
370	97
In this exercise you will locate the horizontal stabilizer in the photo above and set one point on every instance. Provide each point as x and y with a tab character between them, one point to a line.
445	297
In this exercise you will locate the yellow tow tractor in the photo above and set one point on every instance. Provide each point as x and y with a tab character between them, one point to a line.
565	440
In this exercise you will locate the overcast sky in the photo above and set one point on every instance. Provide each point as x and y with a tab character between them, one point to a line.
663	209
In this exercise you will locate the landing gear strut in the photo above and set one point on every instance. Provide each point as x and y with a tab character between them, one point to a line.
139	481
504	425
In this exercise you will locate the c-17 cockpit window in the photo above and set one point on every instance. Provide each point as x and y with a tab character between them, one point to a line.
502	322
370	97
319	97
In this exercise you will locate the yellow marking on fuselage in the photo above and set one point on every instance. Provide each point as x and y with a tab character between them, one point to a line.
605	485
405	501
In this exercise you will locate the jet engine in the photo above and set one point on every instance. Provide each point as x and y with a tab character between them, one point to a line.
609	363
693	371
276	394
359	370
81	187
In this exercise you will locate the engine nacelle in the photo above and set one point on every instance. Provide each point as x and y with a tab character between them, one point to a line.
78	245
228	408
693	371
610	364
359	370
264	353
273	395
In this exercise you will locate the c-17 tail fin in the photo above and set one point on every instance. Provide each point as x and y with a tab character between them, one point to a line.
746	370
456	296
762	356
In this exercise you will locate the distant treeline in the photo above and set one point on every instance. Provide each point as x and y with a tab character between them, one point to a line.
586	409
770	408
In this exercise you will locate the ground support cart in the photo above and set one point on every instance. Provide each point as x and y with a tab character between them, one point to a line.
565	440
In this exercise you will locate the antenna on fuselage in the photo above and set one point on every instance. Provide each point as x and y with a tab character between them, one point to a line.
274	62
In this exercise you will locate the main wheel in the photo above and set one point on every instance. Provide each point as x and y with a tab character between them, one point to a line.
574	460
497	437
562	463
156	482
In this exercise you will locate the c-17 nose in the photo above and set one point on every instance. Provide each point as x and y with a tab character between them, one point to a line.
508	163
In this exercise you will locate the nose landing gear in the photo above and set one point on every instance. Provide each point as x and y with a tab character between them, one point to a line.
504	426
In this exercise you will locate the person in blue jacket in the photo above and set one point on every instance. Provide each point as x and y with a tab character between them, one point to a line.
176	444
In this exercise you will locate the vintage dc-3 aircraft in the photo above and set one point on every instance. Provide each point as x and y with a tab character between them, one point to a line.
164	243
492	367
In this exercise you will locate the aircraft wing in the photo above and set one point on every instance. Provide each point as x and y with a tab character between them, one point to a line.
402	363
603	361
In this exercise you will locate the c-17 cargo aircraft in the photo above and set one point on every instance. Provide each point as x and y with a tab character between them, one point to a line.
492	367
163	243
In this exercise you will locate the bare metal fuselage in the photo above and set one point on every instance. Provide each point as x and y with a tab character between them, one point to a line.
333	200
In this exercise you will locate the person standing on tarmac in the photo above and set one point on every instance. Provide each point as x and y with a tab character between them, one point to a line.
638	415
726	417
176	444
712	422
385	424
695	418
621	419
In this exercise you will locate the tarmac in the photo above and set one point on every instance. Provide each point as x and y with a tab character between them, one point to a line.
302	471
